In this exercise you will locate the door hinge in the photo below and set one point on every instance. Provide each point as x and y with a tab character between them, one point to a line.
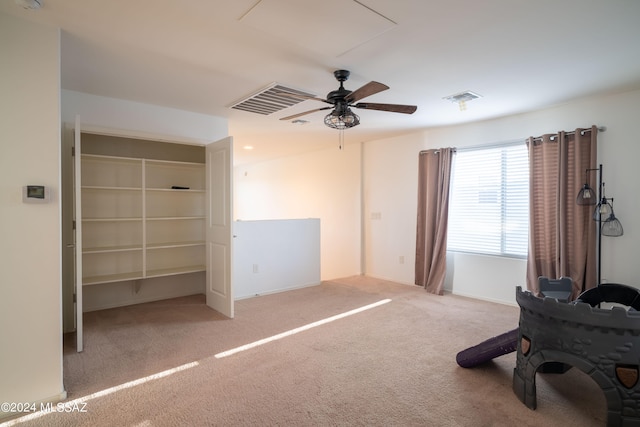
73	151
73	224
74	298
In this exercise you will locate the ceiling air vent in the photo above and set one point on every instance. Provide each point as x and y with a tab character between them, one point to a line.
270	100
462	97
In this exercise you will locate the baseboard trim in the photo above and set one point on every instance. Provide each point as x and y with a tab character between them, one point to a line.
386	279
497	301
452	292
277	291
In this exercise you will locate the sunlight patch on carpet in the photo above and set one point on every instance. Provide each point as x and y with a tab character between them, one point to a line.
81	401
299	329
48	408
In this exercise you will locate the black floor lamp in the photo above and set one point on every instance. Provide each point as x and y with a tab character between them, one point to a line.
608	224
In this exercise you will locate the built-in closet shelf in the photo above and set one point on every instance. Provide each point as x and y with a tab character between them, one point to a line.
177	270
128	248
97	188
111	278
174	218
135	225
115	219
168	245
174	190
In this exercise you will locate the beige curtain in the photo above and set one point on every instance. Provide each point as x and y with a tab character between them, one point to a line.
562	235
433	209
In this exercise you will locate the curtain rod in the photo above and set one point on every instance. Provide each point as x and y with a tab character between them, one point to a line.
600	129
436	151
508	143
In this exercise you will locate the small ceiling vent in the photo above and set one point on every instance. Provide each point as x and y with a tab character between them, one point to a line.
270	100
30	4
462	97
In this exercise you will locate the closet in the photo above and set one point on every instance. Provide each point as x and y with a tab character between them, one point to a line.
147	209
141	217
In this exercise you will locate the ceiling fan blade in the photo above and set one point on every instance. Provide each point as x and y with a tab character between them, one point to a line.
305	113
364	91
297	96
394	108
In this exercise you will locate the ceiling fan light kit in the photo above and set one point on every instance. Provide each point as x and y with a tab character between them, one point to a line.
341	120
342	100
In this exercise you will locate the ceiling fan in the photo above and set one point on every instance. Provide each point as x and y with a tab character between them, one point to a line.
342	100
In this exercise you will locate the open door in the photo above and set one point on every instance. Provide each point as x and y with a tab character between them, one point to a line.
68	231
77	217
219	228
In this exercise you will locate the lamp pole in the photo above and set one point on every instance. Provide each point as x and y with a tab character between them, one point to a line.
599	225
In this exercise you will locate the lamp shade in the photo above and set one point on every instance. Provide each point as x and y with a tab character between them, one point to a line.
612	227
603	210
586	196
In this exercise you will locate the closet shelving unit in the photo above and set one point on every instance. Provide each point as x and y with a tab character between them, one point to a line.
141	218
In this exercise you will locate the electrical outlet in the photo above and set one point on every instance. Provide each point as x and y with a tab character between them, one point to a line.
376	215
255	268
401	259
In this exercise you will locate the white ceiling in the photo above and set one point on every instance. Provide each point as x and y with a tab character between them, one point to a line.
205	55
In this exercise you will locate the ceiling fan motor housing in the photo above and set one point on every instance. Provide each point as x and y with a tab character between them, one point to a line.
341	75
338	96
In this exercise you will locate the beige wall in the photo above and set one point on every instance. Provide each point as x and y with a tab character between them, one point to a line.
30	285
322	184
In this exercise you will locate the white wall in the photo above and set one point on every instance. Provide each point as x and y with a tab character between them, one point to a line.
142	120
275	255
390	176
30	271
390	167
322	184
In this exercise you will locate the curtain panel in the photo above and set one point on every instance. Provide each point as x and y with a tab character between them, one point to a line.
434	176
562	235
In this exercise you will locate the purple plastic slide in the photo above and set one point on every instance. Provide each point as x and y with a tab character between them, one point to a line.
489	349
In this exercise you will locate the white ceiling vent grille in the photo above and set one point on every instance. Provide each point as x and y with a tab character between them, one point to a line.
462	97
270	100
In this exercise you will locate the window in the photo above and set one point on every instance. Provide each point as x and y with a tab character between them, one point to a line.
489	201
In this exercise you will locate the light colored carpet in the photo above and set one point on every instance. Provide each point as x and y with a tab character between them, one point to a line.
392	365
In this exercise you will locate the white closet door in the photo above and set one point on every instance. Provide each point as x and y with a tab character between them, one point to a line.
77	209
219	228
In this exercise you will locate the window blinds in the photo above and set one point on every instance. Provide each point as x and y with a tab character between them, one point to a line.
489	203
